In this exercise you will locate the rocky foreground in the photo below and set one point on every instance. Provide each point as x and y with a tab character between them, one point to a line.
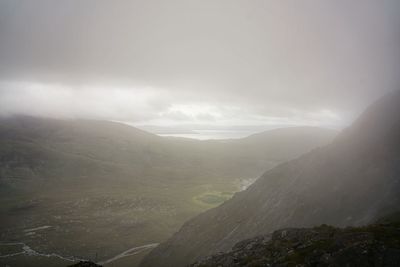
85	264
375	245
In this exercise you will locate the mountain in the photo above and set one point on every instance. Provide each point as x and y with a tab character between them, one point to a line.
68	185
352	181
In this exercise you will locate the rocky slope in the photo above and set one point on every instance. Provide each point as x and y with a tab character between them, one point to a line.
350	182
85	264
371	246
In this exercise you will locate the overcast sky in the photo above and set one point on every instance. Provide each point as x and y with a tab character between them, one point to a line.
206	64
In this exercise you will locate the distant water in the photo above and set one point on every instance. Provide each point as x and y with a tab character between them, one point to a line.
211	134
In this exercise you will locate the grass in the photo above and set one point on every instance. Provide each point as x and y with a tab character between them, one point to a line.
212	198
106	187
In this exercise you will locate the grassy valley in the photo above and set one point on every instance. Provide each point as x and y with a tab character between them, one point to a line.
94	189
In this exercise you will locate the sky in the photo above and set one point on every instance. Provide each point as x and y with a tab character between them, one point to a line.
185	67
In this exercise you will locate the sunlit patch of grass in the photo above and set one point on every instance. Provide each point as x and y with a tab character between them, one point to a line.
212	198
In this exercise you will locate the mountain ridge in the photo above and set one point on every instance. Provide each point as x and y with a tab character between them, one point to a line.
340	184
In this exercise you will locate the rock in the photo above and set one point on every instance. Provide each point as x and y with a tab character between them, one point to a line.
374	245
85	264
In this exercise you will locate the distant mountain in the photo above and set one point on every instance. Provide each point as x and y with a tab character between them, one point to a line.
352	181
284	143
75	149
77	183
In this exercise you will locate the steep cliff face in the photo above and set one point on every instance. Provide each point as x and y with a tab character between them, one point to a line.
350	182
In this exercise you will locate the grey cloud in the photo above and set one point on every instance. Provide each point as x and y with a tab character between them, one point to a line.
273	58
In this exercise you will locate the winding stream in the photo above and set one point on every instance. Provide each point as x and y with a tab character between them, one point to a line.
31	252
130	252
27	250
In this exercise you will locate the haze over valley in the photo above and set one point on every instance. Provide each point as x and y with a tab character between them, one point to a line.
104	187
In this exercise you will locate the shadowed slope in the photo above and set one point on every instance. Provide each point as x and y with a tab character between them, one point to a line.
350	182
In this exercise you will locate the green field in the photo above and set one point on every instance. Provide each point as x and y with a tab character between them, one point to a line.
212	198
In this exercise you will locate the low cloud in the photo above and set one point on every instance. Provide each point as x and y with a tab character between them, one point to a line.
216	63
145	106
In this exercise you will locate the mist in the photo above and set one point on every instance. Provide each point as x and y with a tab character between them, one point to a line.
179	133
198	64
